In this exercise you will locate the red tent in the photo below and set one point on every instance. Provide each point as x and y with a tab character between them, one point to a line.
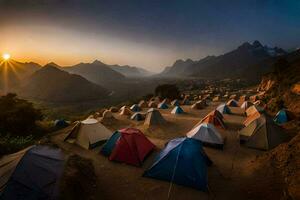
132	147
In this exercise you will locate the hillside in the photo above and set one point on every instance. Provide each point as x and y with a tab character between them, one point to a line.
281	85
13	72
54	85
234	64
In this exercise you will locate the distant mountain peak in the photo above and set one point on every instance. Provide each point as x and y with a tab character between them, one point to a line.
98	62
53	64
257	44
246	45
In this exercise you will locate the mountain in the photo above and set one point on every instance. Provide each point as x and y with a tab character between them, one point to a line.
54	85
129	71
234	64
178	67
96	72
13	72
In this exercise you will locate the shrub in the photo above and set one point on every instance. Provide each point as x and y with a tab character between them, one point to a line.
17	117
9	144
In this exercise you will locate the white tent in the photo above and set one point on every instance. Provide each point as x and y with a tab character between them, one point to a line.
206	133
89	133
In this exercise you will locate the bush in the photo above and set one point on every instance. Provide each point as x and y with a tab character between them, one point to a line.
17	117
9	144
167	91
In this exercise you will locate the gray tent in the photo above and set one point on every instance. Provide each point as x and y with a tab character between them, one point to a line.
36	176
262	133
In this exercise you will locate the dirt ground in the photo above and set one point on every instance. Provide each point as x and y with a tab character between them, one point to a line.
229	177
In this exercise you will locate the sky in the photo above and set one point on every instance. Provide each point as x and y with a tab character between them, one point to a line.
151	34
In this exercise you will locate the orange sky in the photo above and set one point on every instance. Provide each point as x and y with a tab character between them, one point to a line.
44	44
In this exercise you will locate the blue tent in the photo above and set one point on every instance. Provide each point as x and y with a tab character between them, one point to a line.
183	162
281	117
162	105
37	175
137	117
135	108
177	110
175	102
224	109
61	123
110	144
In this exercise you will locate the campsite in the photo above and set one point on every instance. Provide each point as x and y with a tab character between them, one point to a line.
149	100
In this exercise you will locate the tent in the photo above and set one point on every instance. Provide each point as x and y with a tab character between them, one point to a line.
217	98
113	109
233	96
243	98
246	105
137	117
253	109
37	175
216	113
128	145
185	101
125	111
154	117
175	102
251	118
199	104
207	134
213	119
60	123
184	162
162	105
177	110
262	134
107	114
143	104
152	104
223	109
88	133
135	108
232	103
281	117
166	100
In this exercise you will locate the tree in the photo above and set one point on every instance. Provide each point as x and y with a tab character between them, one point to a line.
167	91
17	117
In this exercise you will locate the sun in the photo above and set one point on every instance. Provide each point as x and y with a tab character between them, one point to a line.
6	56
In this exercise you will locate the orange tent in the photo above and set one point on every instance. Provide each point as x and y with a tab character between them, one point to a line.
251	118
213	119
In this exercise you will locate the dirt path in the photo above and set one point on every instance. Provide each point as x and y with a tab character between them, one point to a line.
120	181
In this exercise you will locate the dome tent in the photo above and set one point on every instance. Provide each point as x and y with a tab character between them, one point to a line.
135	108
37	175
252	109
184	162
207	134
175	102
60	123
154	117
262	134
128	145
162	105
223	109
281	117
232	103
88	133
125	111
246	105
177	110
137	117
213	119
